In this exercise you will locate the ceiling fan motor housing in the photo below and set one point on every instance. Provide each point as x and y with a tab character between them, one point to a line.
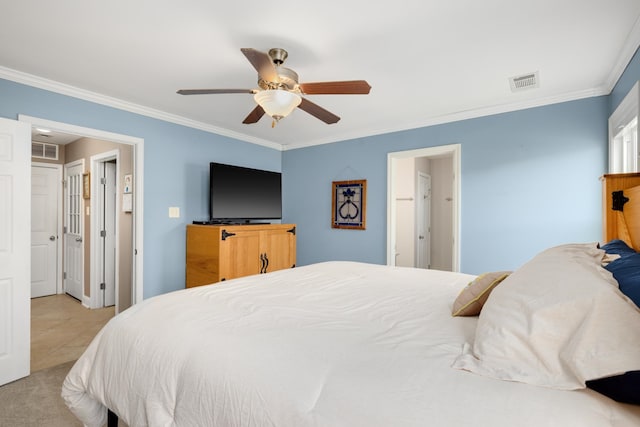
278	55
288	80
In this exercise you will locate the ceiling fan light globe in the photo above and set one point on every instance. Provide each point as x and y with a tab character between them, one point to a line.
277	103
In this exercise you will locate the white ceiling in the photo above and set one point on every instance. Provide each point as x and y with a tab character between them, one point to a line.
428	61
52	136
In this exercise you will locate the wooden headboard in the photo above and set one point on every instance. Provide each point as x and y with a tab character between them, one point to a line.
621	208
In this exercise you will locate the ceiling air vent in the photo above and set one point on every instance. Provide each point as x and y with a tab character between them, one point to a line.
42	150
526	81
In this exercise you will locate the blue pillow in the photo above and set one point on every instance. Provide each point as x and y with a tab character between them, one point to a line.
619	247
626	270
623	388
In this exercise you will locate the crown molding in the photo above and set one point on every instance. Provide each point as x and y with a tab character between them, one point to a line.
629	49
627	53
64	89
463	115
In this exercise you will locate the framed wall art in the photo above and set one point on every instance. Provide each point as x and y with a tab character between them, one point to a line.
86	185
348	204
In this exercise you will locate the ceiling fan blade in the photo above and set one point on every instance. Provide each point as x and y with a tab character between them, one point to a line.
262	63
318	112
255	115
212	91
350	87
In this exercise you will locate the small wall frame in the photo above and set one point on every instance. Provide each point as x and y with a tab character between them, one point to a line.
348	204
86	185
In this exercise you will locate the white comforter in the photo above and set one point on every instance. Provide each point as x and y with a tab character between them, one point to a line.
331	344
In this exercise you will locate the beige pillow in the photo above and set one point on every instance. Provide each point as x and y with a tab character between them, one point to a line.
475	294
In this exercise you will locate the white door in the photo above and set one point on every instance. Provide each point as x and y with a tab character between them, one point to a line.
74	230
423	221
108	233
405	187
15	289
44	230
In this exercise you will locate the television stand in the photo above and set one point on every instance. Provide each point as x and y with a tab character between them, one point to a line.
223	252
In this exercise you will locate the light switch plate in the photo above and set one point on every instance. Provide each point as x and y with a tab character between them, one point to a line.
174	212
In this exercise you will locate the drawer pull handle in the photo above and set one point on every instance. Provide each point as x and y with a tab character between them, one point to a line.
264	263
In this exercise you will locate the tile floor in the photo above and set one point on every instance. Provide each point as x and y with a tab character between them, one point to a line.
61	329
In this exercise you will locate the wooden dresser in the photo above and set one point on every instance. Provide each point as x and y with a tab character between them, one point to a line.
223	252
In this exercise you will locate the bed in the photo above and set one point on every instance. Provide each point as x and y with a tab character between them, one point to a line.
553	343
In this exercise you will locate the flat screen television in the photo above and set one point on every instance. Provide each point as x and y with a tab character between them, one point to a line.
239	194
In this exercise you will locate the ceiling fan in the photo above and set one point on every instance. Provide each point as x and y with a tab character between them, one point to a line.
279	91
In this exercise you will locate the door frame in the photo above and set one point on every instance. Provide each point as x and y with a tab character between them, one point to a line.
59	222
453	150
138	185
96	206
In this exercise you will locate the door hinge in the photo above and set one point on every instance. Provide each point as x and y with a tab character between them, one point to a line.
226	234
103	181
64	275
103	286
64	230
618	200
103	233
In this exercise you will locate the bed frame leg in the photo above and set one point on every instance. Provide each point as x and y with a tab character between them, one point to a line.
112	419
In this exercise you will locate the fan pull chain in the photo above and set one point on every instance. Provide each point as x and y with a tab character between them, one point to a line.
276	119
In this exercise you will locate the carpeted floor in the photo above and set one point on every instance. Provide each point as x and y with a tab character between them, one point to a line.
35	401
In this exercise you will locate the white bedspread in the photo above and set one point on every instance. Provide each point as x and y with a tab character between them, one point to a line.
331	344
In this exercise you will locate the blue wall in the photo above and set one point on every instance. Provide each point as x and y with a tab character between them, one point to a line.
529	181
529	178
176	162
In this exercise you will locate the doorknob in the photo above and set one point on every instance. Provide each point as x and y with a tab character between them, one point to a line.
78	239
52	238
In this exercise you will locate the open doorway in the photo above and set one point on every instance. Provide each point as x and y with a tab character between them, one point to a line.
423	192
97	192
106	250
